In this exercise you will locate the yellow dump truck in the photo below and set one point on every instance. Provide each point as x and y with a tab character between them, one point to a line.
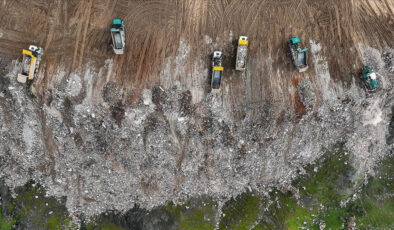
242	51
30	63
217	70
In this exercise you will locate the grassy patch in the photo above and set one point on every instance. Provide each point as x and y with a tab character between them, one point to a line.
321	189
31	209
328	181
4	224
195	214
111	226
241	212
376	202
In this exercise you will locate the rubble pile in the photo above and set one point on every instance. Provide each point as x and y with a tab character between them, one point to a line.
306	93
111	155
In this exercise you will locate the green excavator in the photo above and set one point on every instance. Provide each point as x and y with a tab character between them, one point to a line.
370	79
298	55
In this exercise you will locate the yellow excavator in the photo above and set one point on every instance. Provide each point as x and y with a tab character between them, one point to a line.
30	63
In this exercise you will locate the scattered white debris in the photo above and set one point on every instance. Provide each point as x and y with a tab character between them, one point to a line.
172	146
208	40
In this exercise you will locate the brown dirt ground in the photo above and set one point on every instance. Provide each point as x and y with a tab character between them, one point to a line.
75	33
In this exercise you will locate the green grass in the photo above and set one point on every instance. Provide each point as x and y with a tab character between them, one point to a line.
194	215
325	183
240	213
298	217
32	209
53	223
4	224
377	215
376	204
331	183
111	226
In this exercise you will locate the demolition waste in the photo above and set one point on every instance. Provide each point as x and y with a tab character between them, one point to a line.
111	156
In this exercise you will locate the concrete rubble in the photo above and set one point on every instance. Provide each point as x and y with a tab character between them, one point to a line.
107	155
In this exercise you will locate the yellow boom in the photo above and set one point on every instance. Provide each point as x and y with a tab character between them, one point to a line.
32	63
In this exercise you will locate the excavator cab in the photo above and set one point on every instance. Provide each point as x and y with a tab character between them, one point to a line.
118	36
299	56
30	63
370	79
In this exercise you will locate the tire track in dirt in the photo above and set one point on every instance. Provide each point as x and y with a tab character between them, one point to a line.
86	20
78	30
79	23
53	25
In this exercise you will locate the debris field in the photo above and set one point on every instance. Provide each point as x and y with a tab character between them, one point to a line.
111	131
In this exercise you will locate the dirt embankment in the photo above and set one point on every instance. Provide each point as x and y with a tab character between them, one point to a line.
112	131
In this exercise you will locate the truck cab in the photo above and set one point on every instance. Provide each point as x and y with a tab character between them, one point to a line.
217	71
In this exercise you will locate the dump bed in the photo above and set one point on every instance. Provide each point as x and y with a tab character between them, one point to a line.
217	71
117	39
302	60
216	78
242	51
118	36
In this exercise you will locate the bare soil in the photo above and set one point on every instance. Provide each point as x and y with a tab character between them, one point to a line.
110	131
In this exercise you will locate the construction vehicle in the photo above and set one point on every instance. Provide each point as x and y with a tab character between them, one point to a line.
242	51
217	71
118	37
299	56
30	63
369	78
